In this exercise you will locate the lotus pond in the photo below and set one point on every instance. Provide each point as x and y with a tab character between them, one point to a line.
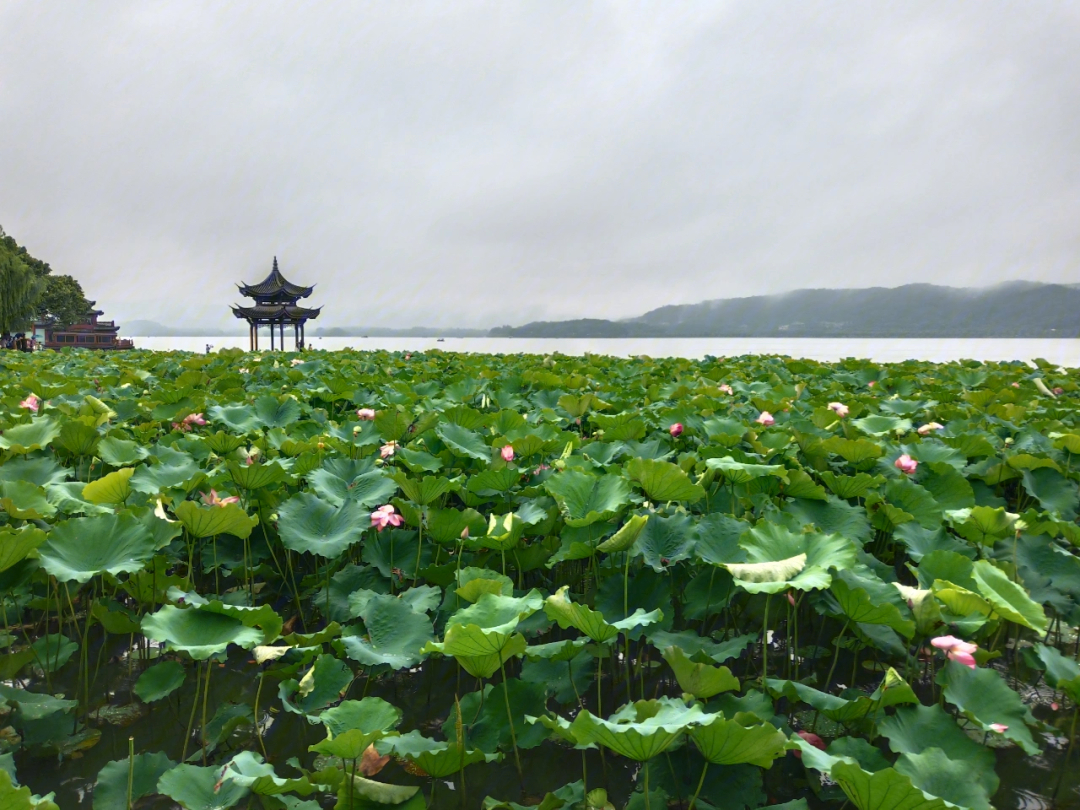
380	580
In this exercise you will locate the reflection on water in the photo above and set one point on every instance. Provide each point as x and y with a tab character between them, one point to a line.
1061	352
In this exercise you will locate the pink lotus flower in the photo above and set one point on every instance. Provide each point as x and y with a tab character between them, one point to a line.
1016	385
791	599
1000	728
1054	707
962	652
385	516
765	418
32	403
676	430
1058	391
811	738
726	389
213	499
839	408
929	427
388	449
871	384
366	414
465	533
507	453
906	464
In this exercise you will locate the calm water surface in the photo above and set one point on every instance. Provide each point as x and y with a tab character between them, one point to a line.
1063	352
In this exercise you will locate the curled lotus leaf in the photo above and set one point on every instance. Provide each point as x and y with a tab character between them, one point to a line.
395	634
196	788
113	488
640	730
353	725
559	608
436	759
585	499
310	524
742	739
209	521
779	559
199	633
703	681
248	769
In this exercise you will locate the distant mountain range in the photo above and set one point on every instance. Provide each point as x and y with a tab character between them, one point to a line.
1019	309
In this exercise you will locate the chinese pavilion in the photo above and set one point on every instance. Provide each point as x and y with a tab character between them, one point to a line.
275	306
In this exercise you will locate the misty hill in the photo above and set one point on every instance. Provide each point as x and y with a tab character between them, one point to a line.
1014	309
143	328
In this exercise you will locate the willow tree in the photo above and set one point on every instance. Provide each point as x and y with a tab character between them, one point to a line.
20	289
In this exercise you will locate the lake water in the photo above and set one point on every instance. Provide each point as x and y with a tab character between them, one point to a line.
1063	352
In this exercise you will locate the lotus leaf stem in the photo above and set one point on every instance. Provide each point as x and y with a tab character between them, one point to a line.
510	720
131	769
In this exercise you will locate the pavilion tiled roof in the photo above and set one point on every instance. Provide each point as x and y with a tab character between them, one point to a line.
273	312
276	287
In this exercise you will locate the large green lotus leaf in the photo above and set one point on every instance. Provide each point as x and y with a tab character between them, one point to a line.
43	471
484	666
586	499
25	501
485	715
274	413
121	452
1054	492
447	525
559	608
949	488
892	691
625	537
851	486
437	759
82	548
855	451
396	634
354	725
867	600
425	490
237	418
26	438
485	628
982	524
16	544
52	651
700	648
739	472
934	773
392	425
1008	599
359	793
159	681
111	790
718	539
20	798
78	438
154	478
778	559
703	681
946	565
731	742
309	524
262	616
560	651
887	789
223	443
665	541
368	489
67	497
663	481
921	542
195	788
986	699
418	460
503	532
248	770
915	501
1061	672
200	633
256	476
877	425
321	687
210	521
640	730
914	729
475	582
31	706
114	488
463	442
832	516
490	483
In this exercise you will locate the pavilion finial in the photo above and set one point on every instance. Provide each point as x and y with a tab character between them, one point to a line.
275	264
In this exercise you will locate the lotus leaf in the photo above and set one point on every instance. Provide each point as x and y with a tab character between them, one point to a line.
740	740
111	790
309	524
396	634
663	481
586	499
195	788
82	548
778	559
985	699
559	608
700	680
638	731
200	633
1008	599
159	681
353	725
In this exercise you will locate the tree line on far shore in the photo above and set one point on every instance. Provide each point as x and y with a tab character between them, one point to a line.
30	291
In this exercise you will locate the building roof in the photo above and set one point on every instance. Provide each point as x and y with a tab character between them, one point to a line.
276	312
275	287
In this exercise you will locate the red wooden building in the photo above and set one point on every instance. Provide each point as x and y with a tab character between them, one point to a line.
92	334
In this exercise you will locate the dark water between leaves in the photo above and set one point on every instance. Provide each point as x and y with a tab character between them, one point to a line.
426	699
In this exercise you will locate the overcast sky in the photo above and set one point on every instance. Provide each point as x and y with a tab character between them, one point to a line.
474	164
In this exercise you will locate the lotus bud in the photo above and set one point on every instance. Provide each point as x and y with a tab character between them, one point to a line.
507	453
906	464
765	418
676	430
366	414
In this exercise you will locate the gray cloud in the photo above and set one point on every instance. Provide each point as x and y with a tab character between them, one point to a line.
485	163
